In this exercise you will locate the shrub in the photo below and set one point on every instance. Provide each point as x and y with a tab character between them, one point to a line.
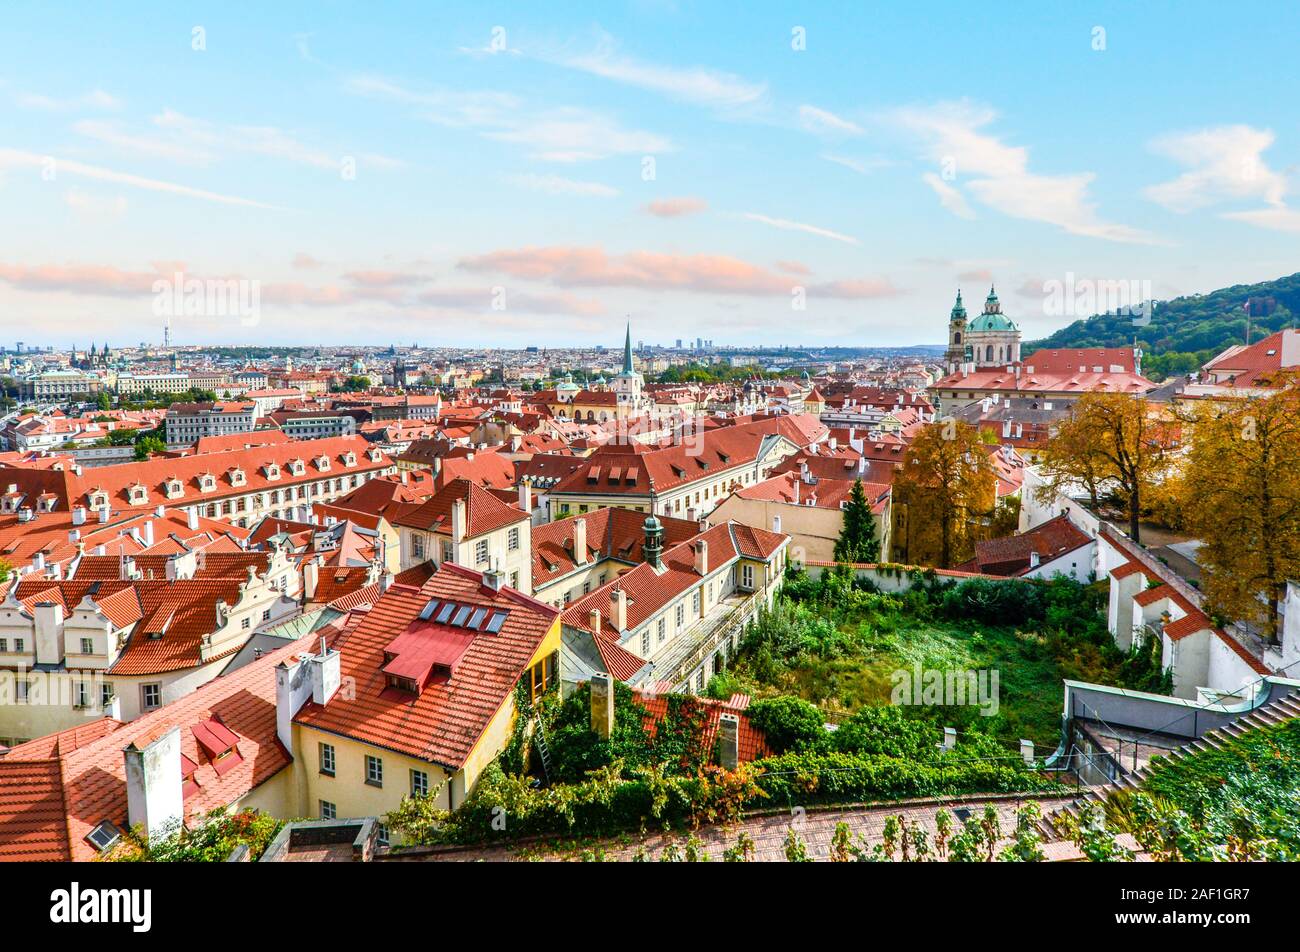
790	723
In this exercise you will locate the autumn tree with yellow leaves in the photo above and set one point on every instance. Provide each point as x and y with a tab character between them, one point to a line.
944	494
1242	487
1110	441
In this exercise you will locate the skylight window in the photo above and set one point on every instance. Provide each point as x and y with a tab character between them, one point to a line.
461	615
427	612
104	836
476	619
496	621
445	613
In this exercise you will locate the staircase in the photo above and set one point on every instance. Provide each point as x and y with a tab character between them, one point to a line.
1269	715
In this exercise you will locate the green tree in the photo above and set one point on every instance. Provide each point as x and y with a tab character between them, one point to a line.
148	445
858	541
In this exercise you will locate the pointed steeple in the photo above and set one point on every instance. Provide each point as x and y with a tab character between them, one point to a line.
627	350
991	304
959	309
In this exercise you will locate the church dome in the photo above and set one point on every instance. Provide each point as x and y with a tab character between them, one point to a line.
991	322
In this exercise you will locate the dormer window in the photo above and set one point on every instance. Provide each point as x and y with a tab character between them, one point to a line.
237	477
207	482
138	494
375	455
174	488
272	471
297	467
349	458
218	742
98	499
323	463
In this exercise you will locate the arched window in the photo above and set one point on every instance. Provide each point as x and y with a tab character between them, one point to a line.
956	338
988	354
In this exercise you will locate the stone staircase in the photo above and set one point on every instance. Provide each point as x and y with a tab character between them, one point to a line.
1272	714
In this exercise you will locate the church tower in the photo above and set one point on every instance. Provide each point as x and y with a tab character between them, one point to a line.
994	337
956	352
628	384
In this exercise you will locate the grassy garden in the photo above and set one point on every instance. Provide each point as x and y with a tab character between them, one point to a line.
837	643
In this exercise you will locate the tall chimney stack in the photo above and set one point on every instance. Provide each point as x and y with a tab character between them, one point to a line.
702	557
602	705
154	800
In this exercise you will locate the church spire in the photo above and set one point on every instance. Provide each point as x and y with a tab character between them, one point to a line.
627	350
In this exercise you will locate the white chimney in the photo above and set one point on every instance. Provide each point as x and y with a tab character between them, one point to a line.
326	674
148	533
310	579
702	557
458	521
192	518
618	609
526	496
293	686
580	541
78	515
47	619
594	618
105	513
154	800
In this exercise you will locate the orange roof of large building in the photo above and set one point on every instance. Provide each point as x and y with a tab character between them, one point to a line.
444	721
1066	371
612	533
484	512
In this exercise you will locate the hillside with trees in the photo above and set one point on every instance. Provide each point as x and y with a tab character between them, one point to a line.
1187	331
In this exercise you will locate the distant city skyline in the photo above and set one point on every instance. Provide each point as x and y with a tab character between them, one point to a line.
493	175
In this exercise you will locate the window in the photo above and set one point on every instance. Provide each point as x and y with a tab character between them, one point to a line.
83	694
105	693
20	689
374	771
695	601
419	783
266	614
542	676
681	615
512	539
150	696
645	643
417	547
4	644
246	623
481	552
747	576
663	630
514	579
327	759
328	811
381	837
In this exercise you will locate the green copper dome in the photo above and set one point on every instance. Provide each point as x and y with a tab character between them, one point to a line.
991	322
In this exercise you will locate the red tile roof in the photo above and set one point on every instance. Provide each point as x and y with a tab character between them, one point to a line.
751	741
444	723
483	511
612	533
1011	555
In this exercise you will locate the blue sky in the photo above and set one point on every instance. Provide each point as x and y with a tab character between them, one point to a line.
531	175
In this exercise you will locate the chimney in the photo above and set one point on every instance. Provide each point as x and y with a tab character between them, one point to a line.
494	578
458	521
154	800
326	674
618	609
293	686
602	705
728	741
702	557
38	562
526	496
148	533
160	511
310	579
79	515
74	535
192	518
48	623
580	541
105	513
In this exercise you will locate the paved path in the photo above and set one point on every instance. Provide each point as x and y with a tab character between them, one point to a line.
815	827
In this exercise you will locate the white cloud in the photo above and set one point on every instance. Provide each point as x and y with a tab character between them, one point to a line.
564	134
787	225
949	197
822	122
998	174
16	158
1224	163
557	185
695	84
861	166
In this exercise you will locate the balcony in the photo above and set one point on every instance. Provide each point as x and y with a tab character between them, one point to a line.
683	654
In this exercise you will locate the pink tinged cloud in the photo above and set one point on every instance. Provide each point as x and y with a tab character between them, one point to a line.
676	207
709	274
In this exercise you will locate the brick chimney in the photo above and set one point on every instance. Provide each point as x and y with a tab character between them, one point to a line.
594	618
702	557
